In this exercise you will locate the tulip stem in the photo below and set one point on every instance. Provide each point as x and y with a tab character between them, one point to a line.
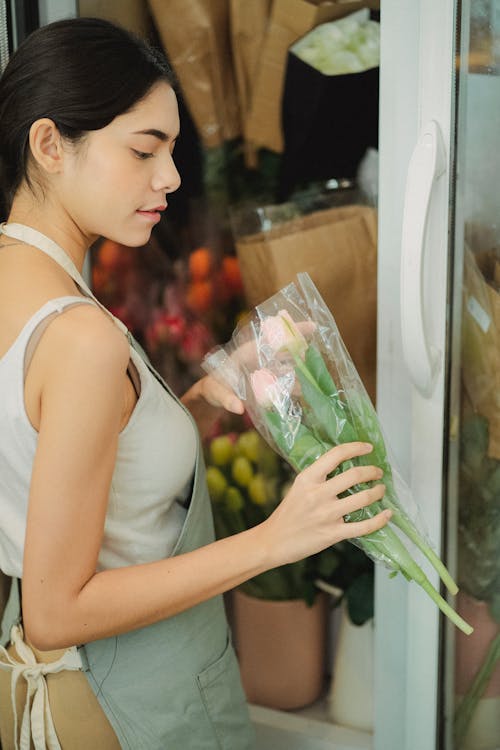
445	608
407	528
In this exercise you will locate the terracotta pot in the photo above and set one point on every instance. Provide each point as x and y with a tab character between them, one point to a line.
350	699
281	649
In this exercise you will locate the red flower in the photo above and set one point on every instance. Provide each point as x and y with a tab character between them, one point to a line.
196	342
165	329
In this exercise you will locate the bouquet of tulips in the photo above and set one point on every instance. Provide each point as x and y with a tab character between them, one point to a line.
288	363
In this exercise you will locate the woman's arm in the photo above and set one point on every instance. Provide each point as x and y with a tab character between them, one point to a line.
65	601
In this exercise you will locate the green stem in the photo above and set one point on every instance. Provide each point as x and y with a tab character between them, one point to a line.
468	704
446	608
305	371
392	548
399	520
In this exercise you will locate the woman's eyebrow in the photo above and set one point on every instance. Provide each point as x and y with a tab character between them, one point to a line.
156	133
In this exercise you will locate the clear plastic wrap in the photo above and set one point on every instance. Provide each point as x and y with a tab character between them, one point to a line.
288	363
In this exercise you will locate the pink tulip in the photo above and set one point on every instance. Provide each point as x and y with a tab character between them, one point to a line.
280	332
265	387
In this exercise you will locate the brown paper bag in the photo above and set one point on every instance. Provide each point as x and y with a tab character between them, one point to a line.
481	341
338	248
290	19
248	23
195	34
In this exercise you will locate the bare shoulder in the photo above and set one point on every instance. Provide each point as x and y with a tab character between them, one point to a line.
85	337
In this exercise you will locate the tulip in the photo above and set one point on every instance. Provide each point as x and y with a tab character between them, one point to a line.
265	387
279	332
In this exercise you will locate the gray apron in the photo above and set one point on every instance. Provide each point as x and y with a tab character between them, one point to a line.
175	684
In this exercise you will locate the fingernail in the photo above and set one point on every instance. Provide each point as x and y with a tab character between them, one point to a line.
367	447
388	513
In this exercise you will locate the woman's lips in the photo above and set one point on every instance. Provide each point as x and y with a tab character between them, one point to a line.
153	215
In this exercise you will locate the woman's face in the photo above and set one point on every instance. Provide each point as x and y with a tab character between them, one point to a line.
120	174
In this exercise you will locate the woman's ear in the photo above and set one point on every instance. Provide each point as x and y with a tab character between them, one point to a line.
46	145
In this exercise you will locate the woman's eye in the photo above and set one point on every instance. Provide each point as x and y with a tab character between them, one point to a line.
142	154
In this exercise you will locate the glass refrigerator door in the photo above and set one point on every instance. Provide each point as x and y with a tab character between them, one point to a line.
439	363
471	695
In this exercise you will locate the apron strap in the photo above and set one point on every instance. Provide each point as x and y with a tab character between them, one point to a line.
37	724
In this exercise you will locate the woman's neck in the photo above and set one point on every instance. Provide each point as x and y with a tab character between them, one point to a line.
55	224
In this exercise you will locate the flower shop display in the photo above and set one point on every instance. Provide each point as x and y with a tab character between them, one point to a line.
288	363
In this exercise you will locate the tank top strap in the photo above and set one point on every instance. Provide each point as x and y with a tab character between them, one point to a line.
35	327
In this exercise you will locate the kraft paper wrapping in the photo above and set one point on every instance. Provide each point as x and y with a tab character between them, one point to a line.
196	38
248	23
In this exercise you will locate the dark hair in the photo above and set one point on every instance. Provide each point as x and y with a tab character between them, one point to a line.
81	73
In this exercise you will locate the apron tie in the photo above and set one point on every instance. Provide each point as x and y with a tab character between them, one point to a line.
37	725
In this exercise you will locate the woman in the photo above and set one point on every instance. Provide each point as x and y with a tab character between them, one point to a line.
105	513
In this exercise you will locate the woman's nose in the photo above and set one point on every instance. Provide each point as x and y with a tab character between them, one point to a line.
166	177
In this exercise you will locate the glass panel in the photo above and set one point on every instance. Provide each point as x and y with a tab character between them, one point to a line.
472	672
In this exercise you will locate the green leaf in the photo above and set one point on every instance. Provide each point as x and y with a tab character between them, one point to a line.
318	369
360	599
320	393
305	449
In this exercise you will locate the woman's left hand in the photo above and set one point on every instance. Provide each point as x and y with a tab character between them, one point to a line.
219	395
206	398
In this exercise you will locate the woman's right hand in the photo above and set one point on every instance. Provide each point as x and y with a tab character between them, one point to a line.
311	515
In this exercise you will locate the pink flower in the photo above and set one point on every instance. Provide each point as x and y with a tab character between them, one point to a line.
265	387
280	332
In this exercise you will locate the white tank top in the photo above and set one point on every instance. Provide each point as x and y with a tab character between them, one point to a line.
154	463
